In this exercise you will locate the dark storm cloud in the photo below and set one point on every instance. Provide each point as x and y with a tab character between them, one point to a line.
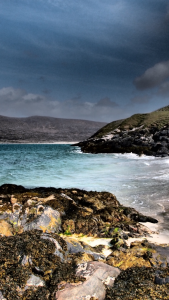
82	48
141	99
153	76
164	89
106	102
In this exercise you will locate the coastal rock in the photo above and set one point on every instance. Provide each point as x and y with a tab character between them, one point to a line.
161	276
34	281
37	263
97	275
29	260
137	283
140	138
48	221
136	216
5	228
68	211
160	255
118	240
58	248
139	254
76	247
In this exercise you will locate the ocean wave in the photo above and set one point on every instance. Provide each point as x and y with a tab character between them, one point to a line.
135	156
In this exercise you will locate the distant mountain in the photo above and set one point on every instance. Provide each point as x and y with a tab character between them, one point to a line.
39	129
141	133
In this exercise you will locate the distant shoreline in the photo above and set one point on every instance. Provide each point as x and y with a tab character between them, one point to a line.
45	143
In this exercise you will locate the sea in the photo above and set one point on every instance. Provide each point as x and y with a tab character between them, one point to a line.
139	182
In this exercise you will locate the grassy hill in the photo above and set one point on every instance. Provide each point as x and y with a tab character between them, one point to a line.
158	119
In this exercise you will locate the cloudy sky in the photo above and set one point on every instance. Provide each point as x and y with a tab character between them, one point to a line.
83	59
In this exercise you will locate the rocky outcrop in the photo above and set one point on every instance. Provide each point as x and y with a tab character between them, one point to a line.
34	265
140	140
66	211
43	254
138	254
138	283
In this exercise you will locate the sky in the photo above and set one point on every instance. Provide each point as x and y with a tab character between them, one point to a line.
83	59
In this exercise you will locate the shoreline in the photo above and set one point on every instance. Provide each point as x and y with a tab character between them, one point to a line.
157	236
155	231
45	143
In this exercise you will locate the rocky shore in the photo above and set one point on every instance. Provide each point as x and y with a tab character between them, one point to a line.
139	140
141	134
45	253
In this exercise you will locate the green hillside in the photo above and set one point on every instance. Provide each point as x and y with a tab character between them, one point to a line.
158	119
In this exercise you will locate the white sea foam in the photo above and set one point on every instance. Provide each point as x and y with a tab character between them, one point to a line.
147	164
135	156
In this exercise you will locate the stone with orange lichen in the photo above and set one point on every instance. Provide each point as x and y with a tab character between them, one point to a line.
127	260
13	199
83	257
48	221
5	228
139	254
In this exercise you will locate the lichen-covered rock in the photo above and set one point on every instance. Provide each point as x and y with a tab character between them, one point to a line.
68	211
97	275
48	221
138	283
118	240
5	228
140	254
29	260
37	263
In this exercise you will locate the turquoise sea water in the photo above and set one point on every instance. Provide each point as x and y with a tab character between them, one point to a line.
140	182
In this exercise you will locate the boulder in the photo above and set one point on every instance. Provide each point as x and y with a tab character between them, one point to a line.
97	275
34	281
48	221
